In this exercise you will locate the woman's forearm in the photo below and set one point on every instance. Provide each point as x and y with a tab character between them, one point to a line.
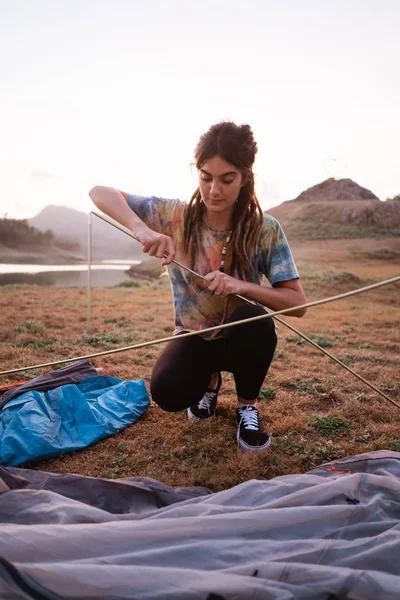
276	298
114	203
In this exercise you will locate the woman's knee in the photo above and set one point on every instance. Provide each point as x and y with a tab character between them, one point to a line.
178	377
174	390
166	394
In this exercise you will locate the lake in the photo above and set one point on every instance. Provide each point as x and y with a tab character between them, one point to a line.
103	273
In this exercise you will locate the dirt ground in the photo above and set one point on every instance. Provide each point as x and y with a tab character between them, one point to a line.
315	410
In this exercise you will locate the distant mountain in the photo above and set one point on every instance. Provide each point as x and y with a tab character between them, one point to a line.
107	242
338	209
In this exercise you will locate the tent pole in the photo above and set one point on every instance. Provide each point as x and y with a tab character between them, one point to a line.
89	277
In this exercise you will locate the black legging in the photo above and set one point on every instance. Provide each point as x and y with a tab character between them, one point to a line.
183	370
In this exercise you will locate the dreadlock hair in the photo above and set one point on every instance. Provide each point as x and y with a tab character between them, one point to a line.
234	144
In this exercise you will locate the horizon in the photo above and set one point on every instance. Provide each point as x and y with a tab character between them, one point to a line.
86	212
118	94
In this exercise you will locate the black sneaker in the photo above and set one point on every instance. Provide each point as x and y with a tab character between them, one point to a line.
251	434
206	407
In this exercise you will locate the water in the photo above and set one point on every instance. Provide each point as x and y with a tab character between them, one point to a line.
105	273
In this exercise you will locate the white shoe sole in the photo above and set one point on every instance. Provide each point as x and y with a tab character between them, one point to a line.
193	417
248	448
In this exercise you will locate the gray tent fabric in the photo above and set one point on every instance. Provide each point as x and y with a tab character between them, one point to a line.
115	496
72	373
332	533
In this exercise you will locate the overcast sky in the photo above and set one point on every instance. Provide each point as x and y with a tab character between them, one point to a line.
117	92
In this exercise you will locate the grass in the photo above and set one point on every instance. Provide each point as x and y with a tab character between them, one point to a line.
341	277
30	326
327	452
331	427
107	340
322	340
306	230
35	344
366	345
307	386
315	410
129	283
267	394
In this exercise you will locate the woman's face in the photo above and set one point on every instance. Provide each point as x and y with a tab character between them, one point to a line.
220	183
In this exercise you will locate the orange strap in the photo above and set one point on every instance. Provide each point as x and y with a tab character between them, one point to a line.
4	388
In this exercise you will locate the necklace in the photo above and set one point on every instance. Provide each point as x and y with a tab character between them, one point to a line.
222	267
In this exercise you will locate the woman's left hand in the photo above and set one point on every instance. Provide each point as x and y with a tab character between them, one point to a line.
222	284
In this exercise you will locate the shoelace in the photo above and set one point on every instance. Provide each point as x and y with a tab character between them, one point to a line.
205	402
249	418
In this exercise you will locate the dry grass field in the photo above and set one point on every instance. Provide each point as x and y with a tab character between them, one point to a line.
315	410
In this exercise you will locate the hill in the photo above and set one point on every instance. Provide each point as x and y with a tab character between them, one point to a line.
107	242
332	190
21	242
336	209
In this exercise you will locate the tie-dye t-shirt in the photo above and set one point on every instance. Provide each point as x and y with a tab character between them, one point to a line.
195	307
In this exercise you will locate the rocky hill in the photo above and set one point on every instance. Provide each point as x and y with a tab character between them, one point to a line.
337	209
334	190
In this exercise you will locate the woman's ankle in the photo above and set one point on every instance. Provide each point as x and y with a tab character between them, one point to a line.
213	383
241	402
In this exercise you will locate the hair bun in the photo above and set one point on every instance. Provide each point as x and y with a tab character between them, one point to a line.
234	143
249	141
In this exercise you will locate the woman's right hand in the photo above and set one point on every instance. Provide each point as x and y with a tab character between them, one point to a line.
157	244
115	204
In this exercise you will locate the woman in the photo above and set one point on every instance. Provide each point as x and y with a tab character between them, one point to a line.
223	235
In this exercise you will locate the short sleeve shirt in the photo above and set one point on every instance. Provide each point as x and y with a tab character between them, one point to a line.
195	307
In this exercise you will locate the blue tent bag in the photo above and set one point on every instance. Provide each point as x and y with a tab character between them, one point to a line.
38	425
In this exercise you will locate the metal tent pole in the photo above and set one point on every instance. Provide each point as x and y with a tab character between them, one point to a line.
89	277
